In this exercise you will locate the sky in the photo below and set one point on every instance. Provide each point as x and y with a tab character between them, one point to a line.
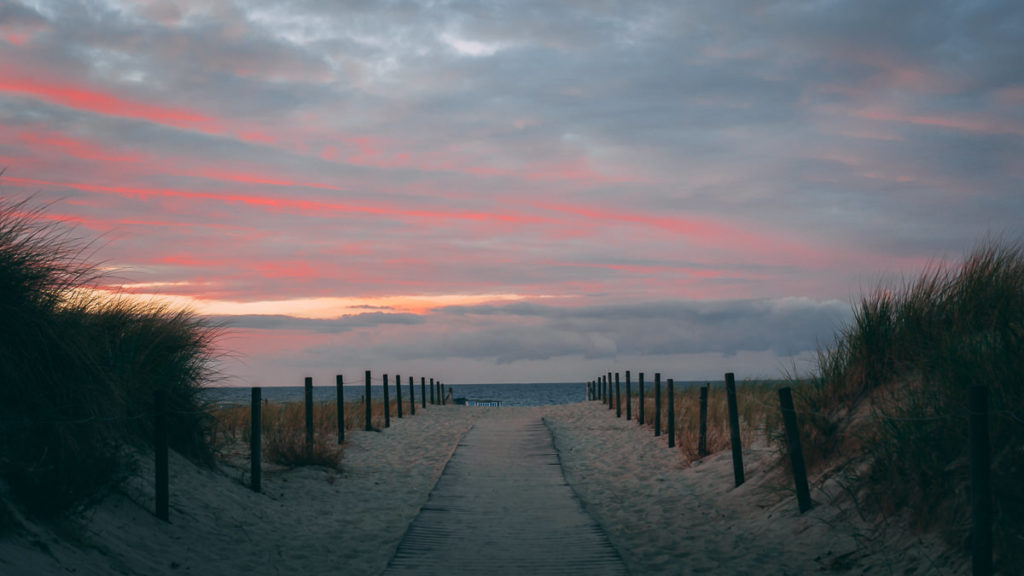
516	191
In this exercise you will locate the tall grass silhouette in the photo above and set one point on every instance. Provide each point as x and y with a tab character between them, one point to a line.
78	371
894	384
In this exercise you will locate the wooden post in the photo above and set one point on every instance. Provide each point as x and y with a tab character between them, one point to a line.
671	414
255	441
423	392
796	453
369	411
440	391
611	397
981	495
387	404
702	442
601	379
309	416
643	399
618	397
339	383
412	397
432	402
734	428
657	403
398	395
161	453
629	398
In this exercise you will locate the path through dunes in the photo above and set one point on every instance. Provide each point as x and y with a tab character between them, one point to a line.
502	506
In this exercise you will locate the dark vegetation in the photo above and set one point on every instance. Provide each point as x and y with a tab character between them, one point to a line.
894	384
78	371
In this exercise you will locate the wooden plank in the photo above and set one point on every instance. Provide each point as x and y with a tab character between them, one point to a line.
502	506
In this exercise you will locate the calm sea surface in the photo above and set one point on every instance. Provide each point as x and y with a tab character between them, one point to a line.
507	394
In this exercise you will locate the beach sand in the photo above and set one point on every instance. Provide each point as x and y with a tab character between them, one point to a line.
663	516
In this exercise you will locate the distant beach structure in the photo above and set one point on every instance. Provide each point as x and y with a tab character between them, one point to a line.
469	402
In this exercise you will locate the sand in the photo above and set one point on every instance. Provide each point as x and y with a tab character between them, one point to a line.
663	516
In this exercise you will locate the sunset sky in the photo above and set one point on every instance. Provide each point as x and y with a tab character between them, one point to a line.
516	191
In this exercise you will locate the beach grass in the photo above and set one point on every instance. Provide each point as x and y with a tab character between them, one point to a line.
79	371
757	406
894	385
283	427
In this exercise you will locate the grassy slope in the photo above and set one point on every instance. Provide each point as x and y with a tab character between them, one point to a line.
78	373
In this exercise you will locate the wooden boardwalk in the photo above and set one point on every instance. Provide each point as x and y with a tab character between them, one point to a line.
502	506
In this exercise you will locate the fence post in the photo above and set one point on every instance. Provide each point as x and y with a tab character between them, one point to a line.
618	397
339	383
657	403
629	398
796	453
440	390
255	442
423	392
702	442
412	397
981	495
387	404
611	396
432	402
369	410
398	395
160	450
734	428
671	413
643	399
309	416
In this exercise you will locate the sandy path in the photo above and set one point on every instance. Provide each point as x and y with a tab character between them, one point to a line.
502	506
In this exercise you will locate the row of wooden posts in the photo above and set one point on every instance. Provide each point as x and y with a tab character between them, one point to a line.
981	499
436	397
601	389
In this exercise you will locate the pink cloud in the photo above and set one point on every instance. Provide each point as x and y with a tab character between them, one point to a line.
81	97
956	121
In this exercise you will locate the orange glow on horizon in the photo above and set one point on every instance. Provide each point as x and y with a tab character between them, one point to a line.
323	308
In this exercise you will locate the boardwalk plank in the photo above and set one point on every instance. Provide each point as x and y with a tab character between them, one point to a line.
502	506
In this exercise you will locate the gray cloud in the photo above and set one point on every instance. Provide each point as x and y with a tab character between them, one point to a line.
320	325
516	332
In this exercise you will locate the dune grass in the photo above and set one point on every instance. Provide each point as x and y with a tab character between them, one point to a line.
284	429
78	372
760	420
894	385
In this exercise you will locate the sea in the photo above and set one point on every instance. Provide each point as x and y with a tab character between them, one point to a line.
512	394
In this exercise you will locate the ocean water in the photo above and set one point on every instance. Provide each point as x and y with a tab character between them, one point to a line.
507	394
